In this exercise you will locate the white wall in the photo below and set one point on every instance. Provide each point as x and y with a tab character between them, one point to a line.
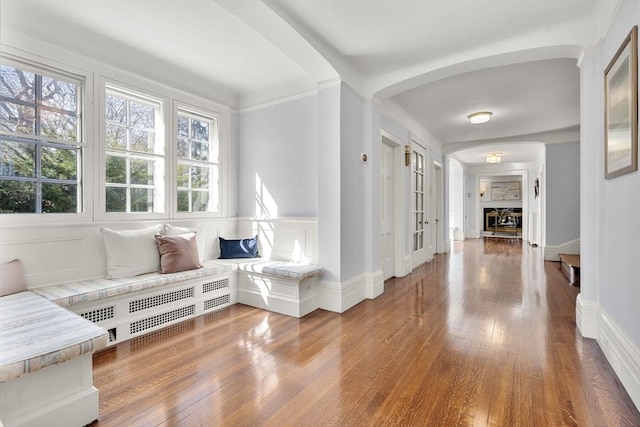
329	226
456	199
352	197
471	184
562	193
278	160
609	299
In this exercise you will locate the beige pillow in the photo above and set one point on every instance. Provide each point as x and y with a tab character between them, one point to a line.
131	252
12	278
178	252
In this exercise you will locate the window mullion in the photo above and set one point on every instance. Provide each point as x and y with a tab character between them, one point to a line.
38	127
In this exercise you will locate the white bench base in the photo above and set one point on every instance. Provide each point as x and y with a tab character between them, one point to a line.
60	395
138	313
292	297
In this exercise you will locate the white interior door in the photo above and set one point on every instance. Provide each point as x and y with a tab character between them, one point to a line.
419	204
387	222
437	215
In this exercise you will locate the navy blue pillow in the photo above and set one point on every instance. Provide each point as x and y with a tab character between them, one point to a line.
242	248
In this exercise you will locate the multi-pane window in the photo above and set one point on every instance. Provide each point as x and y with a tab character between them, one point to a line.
134	152
40	142
198	169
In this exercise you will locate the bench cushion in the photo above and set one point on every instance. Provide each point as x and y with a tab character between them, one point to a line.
68	294
288	270
35	333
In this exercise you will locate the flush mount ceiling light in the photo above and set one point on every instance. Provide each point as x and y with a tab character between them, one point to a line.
480	117
494	158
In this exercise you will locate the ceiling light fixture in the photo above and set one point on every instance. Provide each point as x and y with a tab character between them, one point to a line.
494	158
480	117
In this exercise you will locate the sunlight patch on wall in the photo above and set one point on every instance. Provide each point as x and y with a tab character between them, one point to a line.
266	206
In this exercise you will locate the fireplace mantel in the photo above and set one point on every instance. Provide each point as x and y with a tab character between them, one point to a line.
503	220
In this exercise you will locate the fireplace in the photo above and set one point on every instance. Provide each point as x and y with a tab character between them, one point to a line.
503	220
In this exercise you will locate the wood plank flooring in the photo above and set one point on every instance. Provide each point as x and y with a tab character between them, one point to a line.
483	336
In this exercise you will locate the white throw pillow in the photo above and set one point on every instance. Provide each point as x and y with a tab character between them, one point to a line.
131	252
174	230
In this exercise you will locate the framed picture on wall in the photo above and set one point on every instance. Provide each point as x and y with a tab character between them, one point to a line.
505	190
621	109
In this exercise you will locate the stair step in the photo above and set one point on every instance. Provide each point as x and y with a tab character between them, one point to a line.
570	266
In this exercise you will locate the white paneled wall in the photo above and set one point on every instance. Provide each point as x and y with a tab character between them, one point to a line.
283	239
53	254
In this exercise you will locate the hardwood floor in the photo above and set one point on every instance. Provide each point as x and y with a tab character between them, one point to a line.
482	336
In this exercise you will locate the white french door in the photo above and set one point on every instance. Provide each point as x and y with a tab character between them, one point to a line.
418	219
387	250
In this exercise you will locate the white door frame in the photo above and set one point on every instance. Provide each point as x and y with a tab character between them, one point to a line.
402	263
438	207
387	208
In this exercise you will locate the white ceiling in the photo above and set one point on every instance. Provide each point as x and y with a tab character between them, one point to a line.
435	60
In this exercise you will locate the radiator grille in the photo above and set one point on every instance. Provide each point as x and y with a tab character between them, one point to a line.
99	314
215	285
216	302
160	319
154	301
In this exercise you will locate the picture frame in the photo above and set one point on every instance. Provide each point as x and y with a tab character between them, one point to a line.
621	109
509	190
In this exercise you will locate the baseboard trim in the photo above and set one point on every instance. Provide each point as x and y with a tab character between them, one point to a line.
570	247
620	352
353	292
586	317
374	284
471	234
339	297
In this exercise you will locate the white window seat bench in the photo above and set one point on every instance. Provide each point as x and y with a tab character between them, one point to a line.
137	305
38	329
280	286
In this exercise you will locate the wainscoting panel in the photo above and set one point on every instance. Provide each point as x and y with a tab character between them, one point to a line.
52	258
59	253
283	238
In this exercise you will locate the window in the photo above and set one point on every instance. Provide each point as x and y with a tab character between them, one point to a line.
134	152
41	146
198	168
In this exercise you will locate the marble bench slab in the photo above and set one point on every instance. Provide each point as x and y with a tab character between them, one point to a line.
35	333
68	294
284	269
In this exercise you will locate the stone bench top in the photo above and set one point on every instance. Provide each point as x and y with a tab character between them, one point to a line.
288	270
68	294
35	333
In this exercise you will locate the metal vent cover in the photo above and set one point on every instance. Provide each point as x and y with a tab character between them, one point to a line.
160	319
99	314
215	285
157	300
